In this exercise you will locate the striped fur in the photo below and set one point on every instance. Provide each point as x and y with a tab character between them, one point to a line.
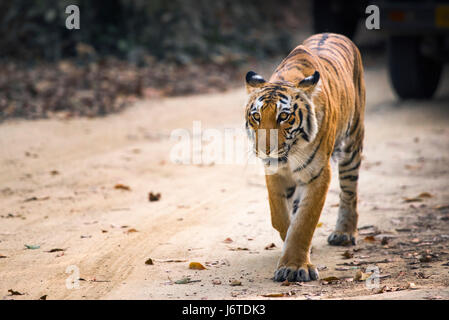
315	102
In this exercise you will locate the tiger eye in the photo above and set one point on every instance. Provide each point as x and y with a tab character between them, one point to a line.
284	116
256	116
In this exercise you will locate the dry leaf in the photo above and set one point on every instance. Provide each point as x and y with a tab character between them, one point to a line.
341	268
424	195
361	276
14	293
32	247
369	239
172	260
442	207
286	283
196	266
154	196
122	187
228	240
2	256
132	230
185	281
239	249
331	279
425	258
319	225
274	295
348	254
36	199
235	283
411	285
270	246
149	261
44	297
413	167
55	250
408	200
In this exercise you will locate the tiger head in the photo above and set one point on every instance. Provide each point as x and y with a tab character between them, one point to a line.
280	115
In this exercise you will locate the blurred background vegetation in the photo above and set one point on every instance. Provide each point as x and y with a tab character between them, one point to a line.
176	30
128	49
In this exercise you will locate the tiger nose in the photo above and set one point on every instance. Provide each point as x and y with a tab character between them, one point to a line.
267	141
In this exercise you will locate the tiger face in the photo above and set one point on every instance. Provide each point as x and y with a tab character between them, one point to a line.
279	116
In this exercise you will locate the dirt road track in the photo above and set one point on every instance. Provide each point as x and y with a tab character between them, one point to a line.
57	181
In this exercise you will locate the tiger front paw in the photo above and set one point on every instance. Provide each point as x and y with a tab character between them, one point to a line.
340	238
296	273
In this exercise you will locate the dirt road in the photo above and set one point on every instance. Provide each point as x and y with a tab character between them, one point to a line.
57	191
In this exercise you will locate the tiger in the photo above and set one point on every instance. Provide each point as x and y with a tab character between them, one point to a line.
315	103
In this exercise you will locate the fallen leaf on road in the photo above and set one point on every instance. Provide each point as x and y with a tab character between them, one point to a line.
341	268
228	240
36	199
185	281
408	200
421	275
442	207
425	258
425	195
44	297
122	187
132	230
196	266
412	285
319	225
348	254
239	249
2	256
369	239
235	283
270	246
361	276
149	261
403	229
171	260
14	293
32	247
154	196
413	167
331	279
419	198
286	283
55	250
275	295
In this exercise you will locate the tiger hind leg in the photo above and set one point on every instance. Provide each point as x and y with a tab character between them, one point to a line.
346	228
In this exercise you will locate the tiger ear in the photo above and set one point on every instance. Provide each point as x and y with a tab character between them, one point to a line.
253	81
309	83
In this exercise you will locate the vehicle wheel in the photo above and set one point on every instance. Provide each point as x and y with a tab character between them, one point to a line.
335	16
413	75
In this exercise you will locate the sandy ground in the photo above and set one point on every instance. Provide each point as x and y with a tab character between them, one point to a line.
57	191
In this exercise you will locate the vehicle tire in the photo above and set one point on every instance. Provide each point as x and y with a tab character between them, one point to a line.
335	16
413	75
